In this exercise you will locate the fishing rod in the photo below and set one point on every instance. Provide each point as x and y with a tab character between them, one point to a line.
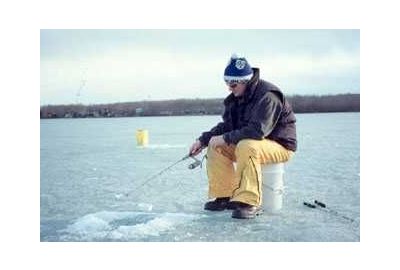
322	206
191	166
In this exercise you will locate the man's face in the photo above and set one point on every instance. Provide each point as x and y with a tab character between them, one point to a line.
237	88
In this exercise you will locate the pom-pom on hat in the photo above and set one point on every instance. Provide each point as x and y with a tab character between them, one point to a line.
238	70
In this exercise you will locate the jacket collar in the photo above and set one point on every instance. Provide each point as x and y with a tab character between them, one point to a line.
250	89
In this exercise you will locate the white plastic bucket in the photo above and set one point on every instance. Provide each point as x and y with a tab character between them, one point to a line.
272	177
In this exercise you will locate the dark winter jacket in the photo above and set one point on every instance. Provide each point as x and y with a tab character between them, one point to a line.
262	112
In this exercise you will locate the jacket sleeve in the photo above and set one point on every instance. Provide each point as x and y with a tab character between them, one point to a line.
262	121
219	129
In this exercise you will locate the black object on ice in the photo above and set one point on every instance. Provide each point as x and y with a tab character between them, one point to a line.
322	206
309	205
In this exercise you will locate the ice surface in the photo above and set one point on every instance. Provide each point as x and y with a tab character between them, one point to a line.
87	165
162	146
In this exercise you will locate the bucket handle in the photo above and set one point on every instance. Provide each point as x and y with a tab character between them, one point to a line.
278	191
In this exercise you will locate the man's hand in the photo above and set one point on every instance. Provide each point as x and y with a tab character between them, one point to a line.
196	148
217	141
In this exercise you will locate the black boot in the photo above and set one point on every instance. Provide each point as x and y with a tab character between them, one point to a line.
232	205
246	211
219	204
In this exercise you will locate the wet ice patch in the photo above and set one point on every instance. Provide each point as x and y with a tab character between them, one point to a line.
119	195
152	227
123	226
145	207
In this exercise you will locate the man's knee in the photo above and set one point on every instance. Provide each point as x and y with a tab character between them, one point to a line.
212	151
247	147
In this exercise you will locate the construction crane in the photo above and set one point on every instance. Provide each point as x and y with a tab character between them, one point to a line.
78	94
82	84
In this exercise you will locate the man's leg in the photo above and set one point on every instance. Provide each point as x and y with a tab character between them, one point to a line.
220	171
250	154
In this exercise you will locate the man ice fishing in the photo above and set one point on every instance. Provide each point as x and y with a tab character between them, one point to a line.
258	128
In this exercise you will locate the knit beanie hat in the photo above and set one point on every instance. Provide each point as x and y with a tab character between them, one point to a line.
238	70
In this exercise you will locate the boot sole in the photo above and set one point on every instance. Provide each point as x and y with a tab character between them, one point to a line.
239	216
215	209
229	206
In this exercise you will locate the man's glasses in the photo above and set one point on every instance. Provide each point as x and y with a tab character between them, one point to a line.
232	85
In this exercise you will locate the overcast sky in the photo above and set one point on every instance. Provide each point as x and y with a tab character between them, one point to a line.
106	66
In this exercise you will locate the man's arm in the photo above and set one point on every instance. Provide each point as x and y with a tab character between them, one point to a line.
219	129
206	136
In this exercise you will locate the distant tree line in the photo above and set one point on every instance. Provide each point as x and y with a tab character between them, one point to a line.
300	104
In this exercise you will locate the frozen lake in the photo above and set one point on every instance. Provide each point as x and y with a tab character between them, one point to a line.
85	164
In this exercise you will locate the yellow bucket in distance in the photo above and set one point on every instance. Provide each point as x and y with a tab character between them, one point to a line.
142	137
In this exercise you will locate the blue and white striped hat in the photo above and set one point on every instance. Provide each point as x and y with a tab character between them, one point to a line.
238	70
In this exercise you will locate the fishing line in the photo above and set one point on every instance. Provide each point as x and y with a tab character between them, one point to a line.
193	165
201	169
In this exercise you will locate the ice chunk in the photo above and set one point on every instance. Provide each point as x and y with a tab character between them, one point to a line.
144	206
124	226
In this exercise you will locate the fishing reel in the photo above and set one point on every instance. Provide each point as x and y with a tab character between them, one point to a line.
195	164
